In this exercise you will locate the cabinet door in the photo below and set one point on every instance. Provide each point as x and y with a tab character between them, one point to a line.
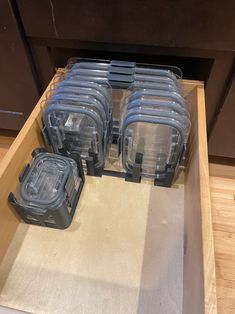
18	89
222	140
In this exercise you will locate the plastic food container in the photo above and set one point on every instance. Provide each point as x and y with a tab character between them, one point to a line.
49	190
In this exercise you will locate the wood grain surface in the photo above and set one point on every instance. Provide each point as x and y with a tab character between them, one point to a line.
18	155
122	254
199	262
223	171
5	143
223	206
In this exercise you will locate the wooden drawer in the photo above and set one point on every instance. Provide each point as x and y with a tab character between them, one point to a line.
132	248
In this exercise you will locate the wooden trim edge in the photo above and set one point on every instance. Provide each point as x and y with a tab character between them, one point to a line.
206	214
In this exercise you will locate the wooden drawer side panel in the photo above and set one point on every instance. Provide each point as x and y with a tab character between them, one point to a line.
199	263
11	166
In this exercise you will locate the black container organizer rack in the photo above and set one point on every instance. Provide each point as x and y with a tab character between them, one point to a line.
49	189
154	101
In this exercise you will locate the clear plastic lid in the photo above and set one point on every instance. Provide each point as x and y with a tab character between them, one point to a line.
158	95
152	69
159	140
90	65
74	61
74	128
153	79
69	106
44	185
75	91
143	75
88	72
103	87
85	101
104	90
158	104
161	85
85	78
121	74
77	60
145	70
185	123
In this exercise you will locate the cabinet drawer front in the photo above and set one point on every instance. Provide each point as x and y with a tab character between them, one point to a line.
154	23
17	120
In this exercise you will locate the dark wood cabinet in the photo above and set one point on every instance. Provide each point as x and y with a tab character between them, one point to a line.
222	140
195	35
193	24
18	88
36	37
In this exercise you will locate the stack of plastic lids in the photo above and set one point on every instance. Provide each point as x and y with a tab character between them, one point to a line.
79	117
120	74
155	120
49	190
155	126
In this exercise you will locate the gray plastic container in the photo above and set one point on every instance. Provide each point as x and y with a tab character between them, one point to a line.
49	190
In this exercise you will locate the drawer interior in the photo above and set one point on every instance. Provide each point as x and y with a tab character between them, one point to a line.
132	248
